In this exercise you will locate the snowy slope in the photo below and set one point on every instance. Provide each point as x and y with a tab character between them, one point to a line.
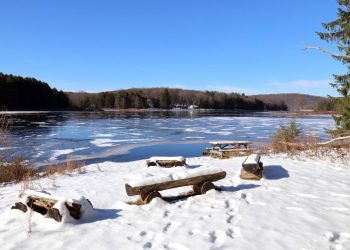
299	204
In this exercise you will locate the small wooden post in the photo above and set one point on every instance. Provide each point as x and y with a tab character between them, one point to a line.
252	168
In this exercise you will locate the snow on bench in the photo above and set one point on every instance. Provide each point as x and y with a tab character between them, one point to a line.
252	168
148	188
55	207
162	161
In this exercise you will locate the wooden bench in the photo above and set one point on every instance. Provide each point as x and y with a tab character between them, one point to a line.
166	162
44	204
252	168
201	182
227	149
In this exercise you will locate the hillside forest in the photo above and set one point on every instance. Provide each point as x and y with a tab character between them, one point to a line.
27	93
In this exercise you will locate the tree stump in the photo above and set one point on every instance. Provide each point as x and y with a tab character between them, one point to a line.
252	168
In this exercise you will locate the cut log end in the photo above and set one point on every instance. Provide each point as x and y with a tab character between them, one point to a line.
257	175
203	187
20	206
54	213
148	197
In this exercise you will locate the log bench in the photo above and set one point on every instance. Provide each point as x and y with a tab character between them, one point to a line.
252	168
44	204
166	162
200	182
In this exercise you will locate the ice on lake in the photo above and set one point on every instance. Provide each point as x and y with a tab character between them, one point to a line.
111	135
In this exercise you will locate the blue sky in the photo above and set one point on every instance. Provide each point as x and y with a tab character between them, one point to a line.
226	45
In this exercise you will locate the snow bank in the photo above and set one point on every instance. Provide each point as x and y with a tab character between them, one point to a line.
299	204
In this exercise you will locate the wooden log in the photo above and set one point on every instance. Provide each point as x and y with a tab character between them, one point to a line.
40	204
44	206
148	197
174	184
166	163
20	206
252	163
257	175
54	213
202	188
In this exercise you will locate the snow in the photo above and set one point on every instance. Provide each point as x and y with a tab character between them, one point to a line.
166	158
227	142
252	159
301	203
59	152
105	142
173	174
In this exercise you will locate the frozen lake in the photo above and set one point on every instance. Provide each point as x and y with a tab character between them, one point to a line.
48	137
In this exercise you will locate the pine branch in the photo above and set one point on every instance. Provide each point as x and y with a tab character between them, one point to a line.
336	55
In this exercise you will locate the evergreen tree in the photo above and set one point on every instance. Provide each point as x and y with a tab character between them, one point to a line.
339	31
164	100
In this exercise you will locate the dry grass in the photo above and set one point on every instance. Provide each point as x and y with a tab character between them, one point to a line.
286	137
15	170
3	129
68	167
289	139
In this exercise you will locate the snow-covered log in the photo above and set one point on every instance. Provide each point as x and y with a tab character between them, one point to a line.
48	205
166	161
252	168
201	184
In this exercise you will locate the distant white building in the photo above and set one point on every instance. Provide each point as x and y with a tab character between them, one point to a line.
193	107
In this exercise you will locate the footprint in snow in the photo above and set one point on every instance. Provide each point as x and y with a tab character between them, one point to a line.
337	239
229	219
147	245
217	237
166	227
138	237
233	232
247	198
166	214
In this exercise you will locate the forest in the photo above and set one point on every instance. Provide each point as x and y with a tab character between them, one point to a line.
26	93
166	98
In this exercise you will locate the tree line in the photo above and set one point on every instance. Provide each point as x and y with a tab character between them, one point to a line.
166	98
26	93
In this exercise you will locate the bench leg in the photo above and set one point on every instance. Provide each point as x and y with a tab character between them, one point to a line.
202	188
148	197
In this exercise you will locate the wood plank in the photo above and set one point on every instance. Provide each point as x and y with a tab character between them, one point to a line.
174	184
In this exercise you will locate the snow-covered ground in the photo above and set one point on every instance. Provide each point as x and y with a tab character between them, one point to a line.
299	204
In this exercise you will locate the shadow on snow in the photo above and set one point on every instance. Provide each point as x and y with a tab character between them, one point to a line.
275	172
